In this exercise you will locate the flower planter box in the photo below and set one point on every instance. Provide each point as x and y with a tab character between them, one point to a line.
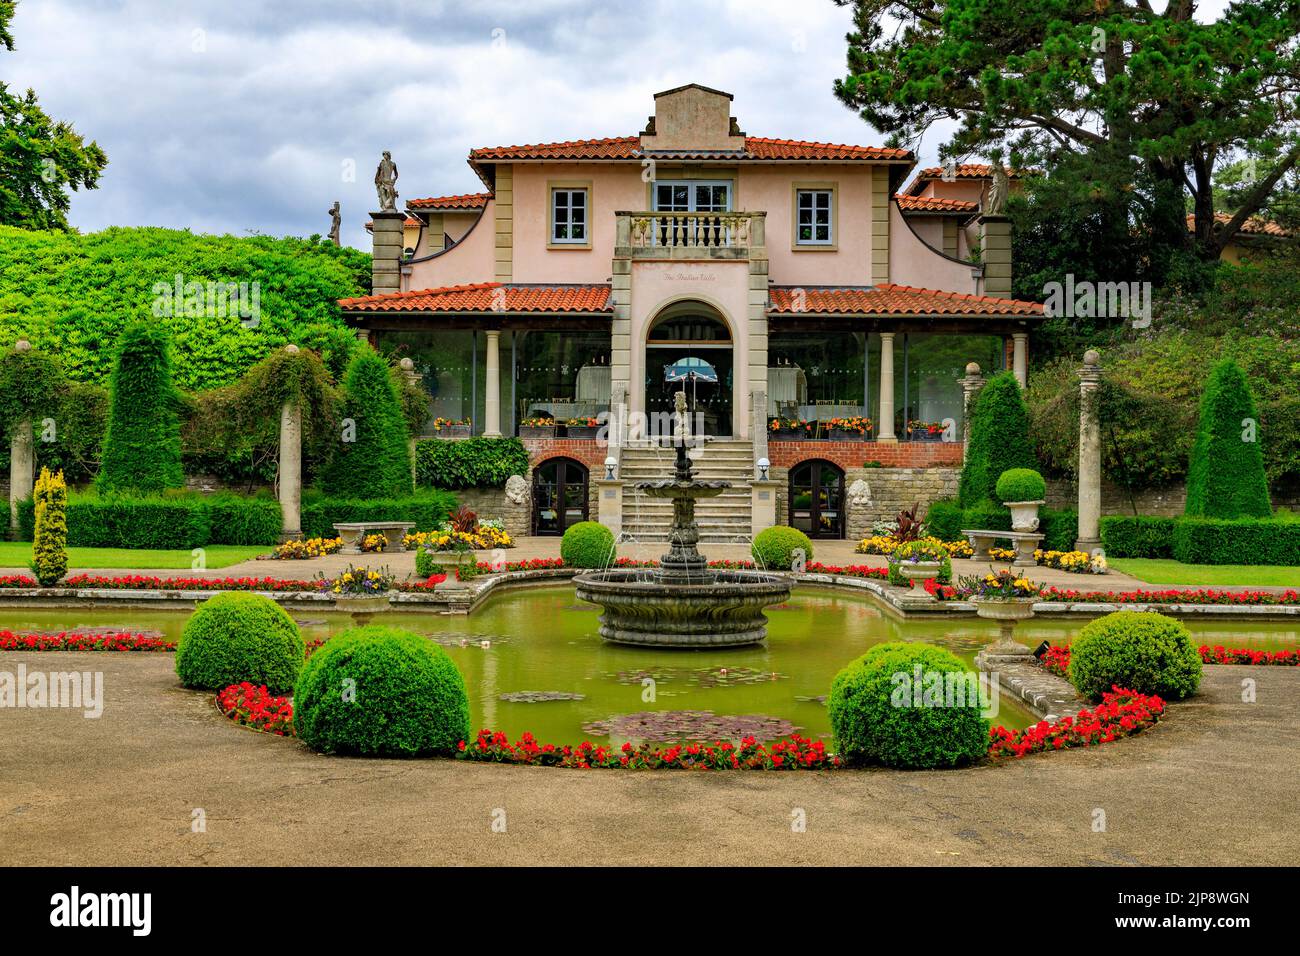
925	436
536	431
453	431
787	434
581	431
844	434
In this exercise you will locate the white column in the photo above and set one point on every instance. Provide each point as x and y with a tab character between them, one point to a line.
290	466
492	399
1089	454
1020	357
885	432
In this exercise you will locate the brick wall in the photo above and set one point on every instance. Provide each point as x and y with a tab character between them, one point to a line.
890	490
852	454
589	451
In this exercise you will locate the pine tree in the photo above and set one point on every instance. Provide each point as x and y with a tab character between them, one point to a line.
1226	475
142	445
373	459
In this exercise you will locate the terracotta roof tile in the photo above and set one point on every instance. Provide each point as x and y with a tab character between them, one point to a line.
620	147
935	204
889	299
961	171
629	147
488	297
1255	225
465	201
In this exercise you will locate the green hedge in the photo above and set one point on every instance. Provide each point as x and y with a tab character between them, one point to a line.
1148	653
142	444
999	439
373	457
945	519
774	548
1240	541
1226	476
588	544
235	637
169	523
1138	536
428	509
469	462
1060	528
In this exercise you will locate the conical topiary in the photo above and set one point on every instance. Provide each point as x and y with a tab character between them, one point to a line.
142	445
50	541
373	458
999	439
1226	475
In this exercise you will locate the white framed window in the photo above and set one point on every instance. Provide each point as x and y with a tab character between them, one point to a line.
695	195
569	216
814	217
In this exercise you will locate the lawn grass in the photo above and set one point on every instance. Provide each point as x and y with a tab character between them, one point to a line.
1164	571
16	554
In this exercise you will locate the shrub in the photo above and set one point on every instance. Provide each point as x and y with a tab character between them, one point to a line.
377	461
238	636
587	544
428	509
774	548
167	522
1226	476
872	711
1243	541
50	538
1060	529
469	462
1021	484
1138	536
987	516
142	446
233	519
999	439
945	520
1146	652
410	698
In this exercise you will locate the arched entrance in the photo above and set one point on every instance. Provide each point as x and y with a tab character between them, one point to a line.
689	347
817	499
559	495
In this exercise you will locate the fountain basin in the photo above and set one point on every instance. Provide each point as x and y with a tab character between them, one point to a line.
722	609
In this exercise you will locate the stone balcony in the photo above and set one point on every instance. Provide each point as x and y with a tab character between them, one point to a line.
690	235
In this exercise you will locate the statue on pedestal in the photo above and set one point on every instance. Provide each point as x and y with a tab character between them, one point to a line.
335	220
386	183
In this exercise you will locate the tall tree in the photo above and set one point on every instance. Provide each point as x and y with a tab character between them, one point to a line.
142	445
1045	78
41	159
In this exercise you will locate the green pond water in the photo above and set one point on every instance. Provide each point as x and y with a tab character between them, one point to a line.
544	640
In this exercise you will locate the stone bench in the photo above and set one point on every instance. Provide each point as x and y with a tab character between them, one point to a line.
353	532
1025	543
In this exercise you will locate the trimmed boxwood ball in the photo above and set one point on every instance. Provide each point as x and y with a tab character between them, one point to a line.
1146	652
774	547
408	699
235	637
875	719
1021	484
587	544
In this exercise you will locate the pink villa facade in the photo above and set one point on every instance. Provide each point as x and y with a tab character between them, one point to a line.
776	281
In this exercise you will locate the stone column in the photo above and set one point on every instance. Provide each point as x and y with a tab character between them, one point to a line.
290	467
995	251
885	433
1089	454
1020	357
970	387
609	505
492	399
386	263
22	459
408	369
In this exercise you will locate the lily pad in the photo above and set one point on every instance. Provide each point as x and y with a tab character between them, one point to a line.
669	725
538	696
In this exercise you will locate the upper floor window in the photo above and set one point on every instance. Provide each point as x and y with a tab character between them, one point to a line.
569	216
814	223
692	196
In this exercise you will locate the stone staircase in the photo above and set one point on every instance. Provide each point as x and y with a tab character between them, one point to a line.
722	520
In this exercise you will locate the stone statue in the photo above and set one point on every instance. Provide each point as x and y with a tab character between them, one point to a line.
335	221
386	183
680	429
516	489
859	494
998	191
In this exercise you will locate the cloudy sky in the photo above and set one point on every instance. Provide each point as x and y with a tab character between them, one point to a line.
247	115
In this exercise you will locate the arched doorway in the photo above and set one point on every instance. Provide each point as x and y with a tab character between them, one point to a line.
559	495
817	499
689	347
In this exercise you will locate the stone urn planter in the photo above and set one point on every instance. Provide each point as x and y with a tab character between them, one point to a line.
362	607
448	562
917	573
1024	514
1008	612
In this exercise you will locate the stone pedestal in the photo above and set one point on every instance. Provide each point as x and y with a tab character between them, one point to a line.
1089	539
970	387
763	507
386	263
609	504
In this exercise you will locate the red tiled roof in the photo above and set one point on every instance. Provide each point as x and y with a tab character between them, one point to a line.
629	147
408	221
935	204
485	297
889	299
1255	225
465	201
960	171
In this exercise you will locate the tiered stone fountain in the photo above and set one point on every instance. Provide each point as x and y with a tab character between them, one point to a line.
683	603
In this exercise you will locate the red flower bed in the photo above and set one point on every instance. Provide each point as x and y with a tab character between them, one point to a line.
141	582
255	707
1121	713
17	581
796	753
848	570
72	641
1057	658
1171	596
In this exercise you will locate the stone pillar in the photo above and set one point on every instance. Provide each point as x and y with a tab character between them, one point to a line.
763	505
995	251
609	505
1089	454
386	263
970	387
885	433
290	467
1020	357
408	369
492	398
22	460
758	424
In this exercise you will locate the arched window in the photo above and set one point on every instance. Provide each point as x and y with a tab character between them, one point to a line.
559	495
817	499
